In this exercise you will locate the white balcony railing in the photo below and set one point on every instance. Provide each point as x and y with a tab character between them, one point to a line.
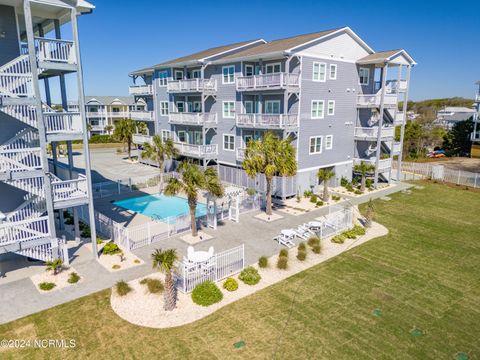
192	85
241	154
374	100
140	90
268	81
140	139
69	189
198	151
267	121
397	146
395	86
200	119
371	133
383	164
142	115
14	232
119	114
20	159
96	114
63	122
399	118
55	50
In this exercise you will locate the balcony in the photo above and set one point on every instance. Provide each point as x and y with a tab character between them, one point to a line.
25	230
198	151
371	133
241	154
118	114
399	118
142	115
374	100
383	164
69	192
95	114
20	159
395	86
140	90
267	121
63	125
55	50
140	139
192	85
199	119
268	82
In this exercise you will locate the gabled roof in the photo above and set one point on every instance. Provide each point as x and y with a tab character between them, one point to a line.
107	100
385	56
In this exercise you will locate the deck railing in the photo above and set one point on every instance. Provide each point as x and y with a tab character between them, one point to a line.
140	139
142	115
370	100
63	122
268	81
140	90
192	85
383	164
198	151
12	232
267	121
372	132
55	50
192	118
69	189
20	159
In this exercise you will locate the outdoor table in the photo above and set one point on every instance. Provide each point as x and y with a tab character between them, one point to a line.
288	233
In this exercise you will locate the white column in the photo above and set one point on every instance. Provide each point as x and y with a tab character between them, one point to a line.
402	131
380	122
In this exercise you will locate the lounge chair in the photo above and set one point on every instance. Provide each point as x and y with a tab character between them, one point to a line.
302	233
306	228
284	240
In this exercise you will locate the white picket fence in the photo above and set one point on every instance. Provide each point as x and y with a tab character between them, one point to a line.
187	275
413	171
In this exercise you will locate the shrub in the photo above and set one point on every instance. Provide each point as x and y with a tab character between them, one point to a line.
263	262
343	181
307	193
282	262
67	215
116	267
313	240
206	294
230	284
359	230
111	248
302	246
136	261
73	278
317	248
99	241
301	255
46	286
314	199
349	187
143	281
122	288
369	183
358	192
283	252
335	197
101	139
68	221
250	276
251	191
155	286
86	232
319	203
338	239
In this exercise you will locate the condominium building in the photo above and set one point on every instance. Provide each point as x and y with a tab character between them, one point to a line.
475	152
35	192
329	92
450	115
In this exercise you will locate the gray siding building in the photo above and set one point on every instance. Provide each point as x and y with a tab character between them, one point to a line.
331	94
33	190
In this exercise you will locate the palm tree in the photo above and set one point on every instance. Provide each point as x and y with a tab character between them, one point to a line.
142	128
325	175
164	261
124	131
193	179
270	155
55	265
109	128
159	151
364	169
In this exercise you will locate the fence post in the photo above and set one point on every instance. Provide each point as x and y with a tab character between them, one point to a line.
458	178
475	181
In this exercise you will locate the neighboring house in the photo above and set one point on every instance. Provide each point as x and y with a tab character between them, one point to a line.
476	124
450	115
35	191
107	110
324	91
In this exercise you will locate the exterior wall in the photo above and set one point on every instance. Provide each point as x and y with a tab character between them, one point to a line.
9	48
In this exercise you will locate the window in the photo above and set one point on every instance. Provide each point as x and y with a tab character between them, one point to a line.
317	109
333	71
331	107
315	145
166	135
180	106
228	74
196	74
272	107
228	142
248	70
182	136
197	106
248	107
328	142
162	78
229	109
178	75
163	108
319	71
364	75
272	68
247	139
197	138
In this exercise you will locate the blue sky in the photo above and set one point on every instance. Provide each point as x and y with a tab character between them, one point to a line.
442	37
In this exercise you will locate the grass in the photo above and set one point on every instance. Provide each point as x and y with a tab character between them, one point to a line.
363	304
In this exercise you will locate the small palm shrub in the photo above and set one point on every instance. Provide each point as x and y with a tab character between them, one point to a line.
122	288
307	193
55	265
154	286
339	239
206	294
111	248
230	284
99	241
319	203
282	263
73	278
317	248
284	253
313	240
302	247
343	181
263	262
116	267
301	255
313	199
46	286
250	276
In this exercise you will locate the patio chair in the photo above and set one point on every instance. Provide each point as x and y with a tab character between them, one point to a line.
284	240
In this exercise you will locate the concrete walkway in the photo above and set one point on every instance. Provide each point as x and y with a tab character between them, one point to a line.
21	298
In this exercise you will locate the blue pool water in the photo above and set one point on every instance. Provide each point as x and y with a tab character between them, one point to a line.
160	206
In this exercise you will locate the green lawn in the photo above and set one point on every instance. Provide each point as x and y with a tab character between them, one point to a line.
425	274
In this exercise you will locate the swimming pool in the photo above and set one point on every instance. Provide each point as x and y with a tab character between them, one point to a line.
160	206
